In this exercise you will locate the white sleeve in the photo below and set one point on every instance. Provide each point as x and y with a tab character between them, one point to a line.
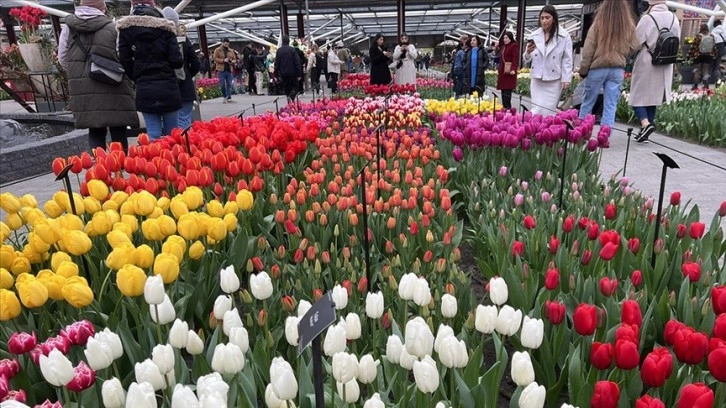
63	46
412	51
397	52
567	60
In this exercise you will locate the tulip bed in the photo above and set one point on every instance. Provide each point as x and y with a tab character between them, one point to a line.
180	273
358	85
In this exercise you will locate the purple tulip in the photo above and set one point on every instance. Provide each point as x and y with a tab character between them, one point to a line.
458	154
545	197
538	175
503	171
518	200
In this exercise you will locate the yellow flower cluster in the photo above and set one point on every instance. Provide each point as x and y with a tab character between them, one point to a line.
472	105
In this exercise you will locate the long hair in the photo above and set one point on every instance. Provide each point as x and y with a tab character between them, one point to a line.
615	28
551	10
509	35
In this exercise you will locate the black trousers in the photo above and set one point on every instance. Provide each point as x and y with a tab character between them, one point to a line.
97	137
289	84
251	84
507	98
315	79
333	82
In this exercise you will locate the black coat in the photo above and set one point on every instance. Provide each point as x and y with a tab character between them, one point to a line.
149	53
248	56
191	65
481	66
287	62
380	73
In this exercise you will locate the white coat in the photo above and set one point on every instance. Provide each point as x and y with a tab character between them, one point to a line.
407	73
651	84
551	63
333	62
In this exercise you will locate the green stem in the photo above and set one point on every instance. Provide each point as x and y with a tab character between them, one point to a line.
80	397
720	399
332	391
66	397
419	399
452	389
158	325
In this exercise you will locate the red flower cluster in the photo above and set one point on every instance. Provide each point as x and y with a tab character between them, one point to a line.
377	90
28	16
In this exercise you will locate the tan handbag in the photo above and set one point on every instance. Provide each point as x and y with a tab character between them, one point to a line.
507	67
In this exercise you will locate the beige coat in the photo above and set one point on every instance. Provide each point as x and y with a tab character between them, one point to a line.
651	84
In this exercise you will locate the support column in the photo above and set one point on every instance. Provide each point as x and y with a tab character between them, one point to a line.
521	17
202	30
502	19
342	33
9	28
300	25
401	14
55	21
284	23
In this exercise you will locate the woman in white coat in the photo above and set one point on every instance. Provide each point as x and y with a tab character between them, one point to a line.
334	66
550	52
651	84
403	60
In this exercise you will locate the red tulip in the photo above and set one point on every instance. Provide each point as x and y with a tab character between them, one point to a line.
610	211
21	342
608	286
16	395
719	327
9	368
593	231
718	299
554	244
299	255
628	332
586	257
722	209
676	198
631	314
697	395
83	378
529	222
348	285
634	245
517	248
610	236
696	230
609	251
58	164
48	404
717	362
627	356
692	270
681	230
555	312
646	401
413	229
568	224
657	367
606	395
636	278
671	328
317	294
690	346
601	355
552	278
58	342
288	304
583	223
363	285
79	332
585	319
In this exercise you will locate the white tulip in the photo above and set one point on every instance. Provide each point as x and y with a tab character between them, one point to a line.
374	402
228	280
228	359
98	354
421	292
195	345
406	360
283	379
340	297
165	310
498	291
486	319
533	396
419	339
352	327
532	333
163	357
448	306
213	401
141	395
453	353
222	305
56	368
183	397
231	320
12	404
444	332
154	290
351	391
148	372
261	285
291	334
212	384
374	305
522	370
334	340
393	349
367	369
406	286
179	334
426	375
303	307
567	406
440	405
508	320
271	399
239	337
345	367
113	393
112	340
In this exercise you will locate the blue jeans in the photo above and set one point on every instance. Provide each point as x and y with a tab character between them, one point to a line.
225	82
645	112
609	80
160	124
185	114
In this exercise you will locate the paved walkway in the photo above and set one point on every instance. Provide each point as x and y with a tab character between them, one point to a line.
701	183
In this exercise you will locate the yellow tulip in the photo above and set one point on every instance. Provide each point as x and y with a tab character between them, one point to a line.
158	212
4	231
9	203
231	207
193	197
118	236
37	243
9	305
7	256
6	279
188	227
92	205
77	292
57	259
32	256
163	203
98	189
67	269
196	250
113	216
203	220
110	205
131	221
215	209
14	221
121	256
76	242
178	207
61	197
131	280
167	266
175	249
29	200
20	265
53	209
151	230
31	215
47	230
128	207
167	225
144	203
245	200
71	222
217	229
32	292
53	282
144	256
119	197
101	223
230	220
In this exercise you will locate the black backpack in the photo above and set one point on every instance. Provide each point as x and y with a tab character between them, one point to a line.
666	47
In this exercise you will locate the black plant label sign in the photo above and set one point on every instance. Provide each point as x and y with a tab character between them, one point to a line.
315	321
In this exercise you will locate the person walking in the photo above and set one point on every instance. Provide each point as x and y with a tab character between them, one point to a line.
473	68
260	68
312	68
99	107
507	68
224	60
343	56
719	36
334	67
609	42
702	53
186	77
650	84
404	56
550	52
304	62
288	68
380	59
203	64
149	53
458	66
248	57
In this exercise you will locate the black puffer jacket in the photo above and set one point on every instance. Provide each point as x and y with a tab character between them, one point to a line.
149	53
287	62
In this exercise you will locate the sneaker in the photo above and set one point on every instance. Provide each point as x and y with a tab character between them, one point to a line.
645	133
224	101
231	101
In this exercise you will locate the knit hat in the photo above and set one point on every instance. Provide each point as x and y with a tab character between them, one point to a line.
97	4
171	15
142	2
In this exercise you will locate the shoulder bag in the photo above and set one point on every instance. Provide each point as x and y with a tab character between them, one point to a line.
103	69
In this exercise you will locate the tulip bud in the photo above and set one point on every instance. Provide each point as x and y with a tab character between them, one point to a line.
179	334
289	304
262	318
246	297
